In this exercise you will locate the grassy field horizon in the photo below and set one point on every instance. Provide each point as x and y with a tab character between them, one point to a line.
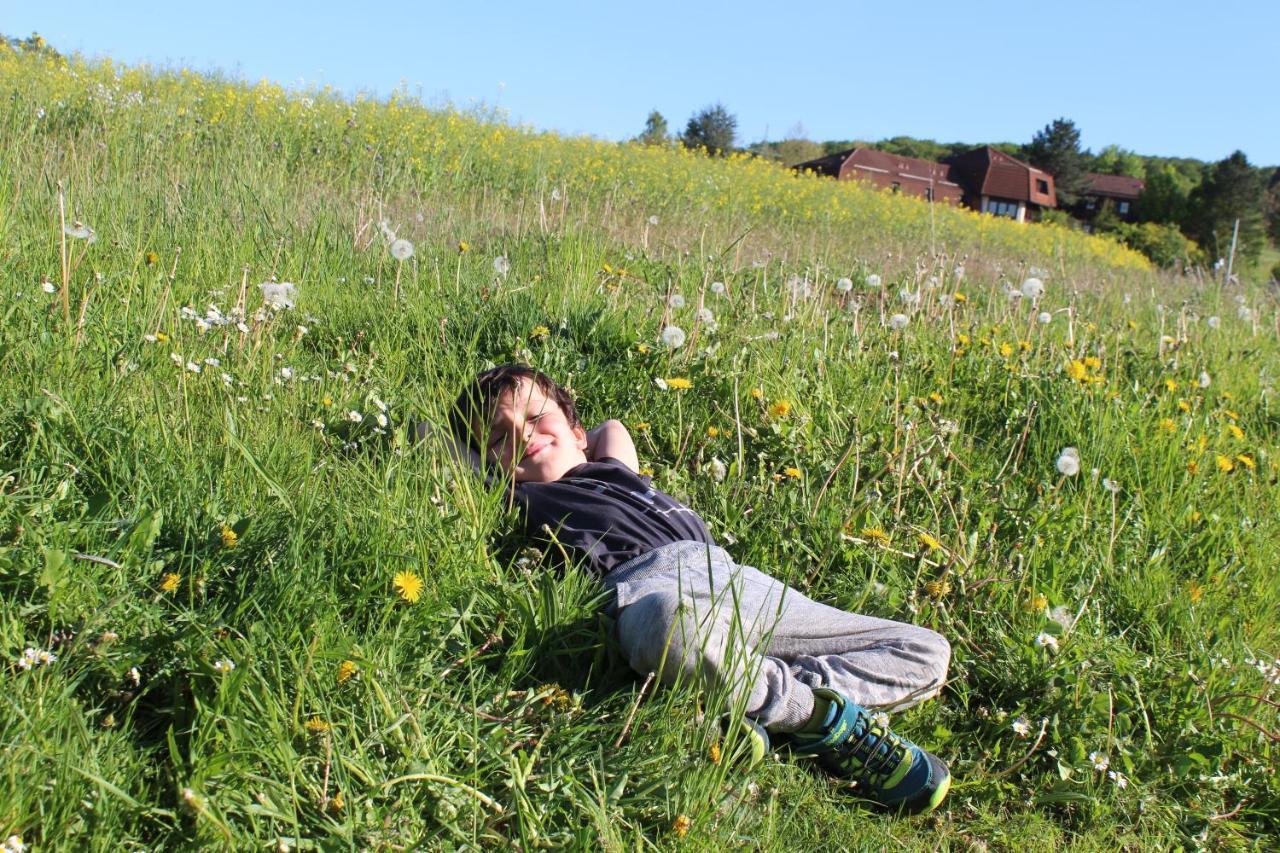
243	607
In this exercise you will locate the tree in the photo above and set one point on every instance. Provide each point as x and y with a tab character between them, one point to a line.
1164	198
712	129
655	130
1056	149
1273	208
1232	189
1114	160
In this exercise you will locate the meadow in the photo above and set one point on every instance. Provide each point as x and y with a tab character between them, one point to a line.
243	606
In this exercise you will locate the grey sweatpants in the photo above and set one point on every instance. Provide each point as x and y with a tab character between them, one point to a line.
688	611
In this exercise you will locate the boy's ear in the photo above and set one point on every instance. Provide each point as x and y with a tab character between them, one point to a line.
580	434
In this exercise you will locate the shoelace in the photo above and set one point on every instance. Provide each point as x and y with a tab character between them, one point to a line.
877	754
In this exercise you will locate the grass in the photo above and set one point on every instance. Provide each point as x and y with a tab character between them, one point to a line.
203	520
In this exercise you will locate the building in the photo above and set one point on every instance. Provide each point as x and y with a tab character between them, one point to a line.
1001	185
984	179
907	175
1121	191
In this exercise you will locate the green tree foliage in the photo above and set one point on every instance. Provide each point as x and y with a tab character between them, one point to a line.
713	129
655	130
1273	207
788	152
1056	149
1114	160
1232	189
1164	198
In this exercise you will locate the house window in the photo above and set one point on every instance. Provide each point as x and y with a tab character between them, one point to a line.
997	207
1042	186
1090	204
1123	207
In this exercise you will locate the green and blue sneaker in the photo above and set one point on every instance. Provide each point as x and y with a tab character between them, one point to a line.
752	739
887	768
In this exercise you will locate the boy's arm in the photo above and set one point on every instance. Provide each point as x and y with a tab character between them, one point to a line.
612	439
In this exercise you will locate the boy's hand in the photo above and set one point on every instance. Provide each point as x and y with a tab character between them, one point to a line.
612	439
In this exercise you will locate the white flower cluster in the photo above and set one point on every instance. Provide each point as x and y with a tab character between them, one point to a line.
32	658
213	316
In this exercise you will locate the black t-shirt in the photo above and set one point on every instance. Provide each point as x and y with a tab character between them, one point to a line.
607	513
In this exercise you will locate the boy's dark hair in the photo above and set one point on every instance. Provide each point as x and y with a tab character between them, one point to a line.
478	400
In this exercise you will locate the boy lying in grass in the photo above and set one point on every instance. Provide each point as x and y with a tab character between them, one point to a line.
804	673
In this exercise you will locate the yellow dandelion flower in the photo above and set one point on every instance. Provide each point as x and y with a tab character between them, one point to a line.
714	753
1170	385
1077	371
680	826
713	432
151	259
960	298
1038	603
757	393
936	398
929	542
539	333
1236	432
316	726
1006	349
1225	465
463	246
1195	592
408	586
347	670
1193	467
1167	425
606	269
646	471
1093	362
170	581
679	383
1184	406
229	537
875	534
962	339
780	409
1025	346
1194	517
793	473
937	589
1247	461
643	348
162	338
1235	416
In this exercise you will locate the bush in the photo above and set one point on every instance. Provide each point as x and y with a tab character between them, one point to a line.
1165	245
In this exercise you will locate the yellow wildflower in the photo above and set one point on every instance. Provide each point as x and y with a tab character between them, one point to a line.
875	534
1092	362
1167	425
1235	416
936	398
347	670
1194	592
336	802
326	401
780	409
1225	465
937	589
646	471
757	393
1025	346
1170	385
961	298
1184	406
1247	461
1077	371
793	473
643	348
1236	432
606	269
229	537
679	383
1038	602
962	339
539	333
642	426
714	752
1193	467
680	826
151	259
1006	349
1132	325
408	585
162	338
1194	517
170	581
713	432
316	726
929	542
463	246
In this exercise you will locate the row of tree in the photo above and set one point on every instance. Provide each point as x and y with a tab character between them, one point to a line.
1183	199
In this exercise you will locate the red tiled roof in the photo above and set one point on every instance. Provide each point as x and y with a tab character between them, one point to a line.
1115	186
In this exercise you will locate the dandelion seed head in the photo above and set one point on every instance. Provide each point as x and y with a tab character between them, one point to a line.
1047	641
79	231
1033	288
278	295
675	300
1214	321
1068	463
501	265
401	249
898	322
1045	318
673	337
1021	726
717	287
717	469
844	285
48	286
872	280
653	220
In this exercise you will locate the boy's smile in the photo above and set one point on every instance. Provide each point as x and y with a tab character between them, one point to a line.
530	438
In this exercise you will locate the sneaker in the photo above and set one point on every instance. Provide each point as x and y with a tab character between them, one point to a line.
888	768
752	739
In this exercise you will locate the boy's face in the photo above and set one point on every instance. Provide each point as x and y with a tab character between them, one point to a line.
530	437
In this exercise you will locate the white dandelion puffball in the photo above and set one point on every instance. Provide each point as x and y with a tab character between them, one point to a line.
278	294
799	286
401	249
653	220
873	280
1214	322
1204	379
1045	318
1033	288
1244	313
717	287
79	231
909	297
675	300
958	272
555	194
1046	640
844	285
705	315
673	337
717	469
898	322
48	286
1069	462
501	265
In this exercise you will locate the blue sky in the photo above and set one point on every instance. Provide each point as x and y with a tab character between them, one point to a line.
1170	78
